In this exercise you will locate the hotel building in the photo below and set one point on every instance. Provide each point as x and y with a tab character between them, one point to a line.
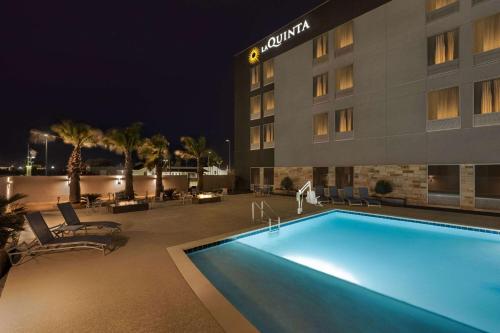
405	90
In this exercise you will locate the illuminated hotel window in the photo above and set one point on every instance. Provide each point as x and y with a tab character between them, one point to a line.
320	46
438	4
255	138
269	71
269	103
344	82
487	96
320	85
487	34
443	47
268	131
344	38
255	107
343	120
320	127
443	104
255	77
439	8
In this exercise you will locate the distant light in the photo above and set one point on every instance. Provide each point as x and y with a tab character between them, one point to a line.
20	168
52	167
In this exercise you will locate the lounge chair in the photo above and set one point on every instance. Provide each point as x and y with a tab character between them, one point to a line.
334	196
46	242
365	197
349	197
72	219
320	194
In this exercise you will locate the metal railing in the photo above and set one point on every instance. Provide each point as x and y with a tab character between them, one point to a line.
264	210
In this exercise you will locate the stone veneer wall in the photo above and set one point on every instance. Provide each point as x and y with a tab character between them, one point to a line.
467	186
408	181
299	175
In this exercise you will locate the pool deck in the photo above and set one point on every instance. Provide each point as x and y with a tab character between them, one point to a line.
137	288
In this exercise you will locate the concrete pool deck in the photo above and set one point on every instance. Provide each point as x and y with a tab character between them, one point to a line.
138	287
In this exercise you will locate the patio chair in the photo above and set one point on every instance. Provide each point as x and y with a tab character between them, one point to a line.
367	199
46	242
335	197
349	197
320	194
71	219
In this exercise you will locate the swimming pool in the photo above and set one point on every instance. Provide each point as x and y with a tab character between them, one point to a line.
360	272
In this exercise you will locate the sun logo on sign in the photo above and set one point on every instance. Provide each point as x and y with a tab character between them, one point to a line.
253	56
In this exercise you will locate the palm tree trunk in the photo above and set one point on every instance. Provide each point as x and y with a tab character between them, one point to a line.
199	170
159	179
74	171
129	180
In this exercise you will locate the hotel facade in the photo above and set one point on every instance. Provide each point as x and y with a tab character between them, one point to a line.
350	93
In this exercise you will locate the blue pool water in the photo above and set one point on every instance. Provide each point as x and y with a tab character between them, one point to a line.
349	272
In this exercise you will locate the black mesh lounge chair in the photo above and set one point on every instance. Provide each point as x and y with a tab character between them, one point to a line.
334	196
71	218
365	197
320	194
46	242
349	197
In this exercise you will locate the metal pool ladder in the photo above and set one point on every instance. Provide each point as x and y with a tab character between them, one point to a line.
265	209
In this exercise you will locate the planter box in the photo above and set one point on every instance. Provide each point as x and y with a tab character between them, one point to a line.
118	209
216	198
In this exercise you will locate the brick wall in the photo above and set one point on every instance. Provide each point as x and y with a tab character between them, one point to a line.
467	186
299	175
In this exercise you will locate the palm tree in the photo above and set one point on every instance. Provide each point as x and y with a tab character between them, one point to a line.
79	136
125	141
11	218
154	151
195	149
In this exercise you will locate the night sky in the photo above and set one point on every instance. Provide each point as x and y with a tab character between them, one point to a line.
111	63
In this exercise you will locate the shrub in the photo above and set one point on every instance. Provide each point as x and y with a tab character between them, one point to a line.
11	218
91	197
287	183
383	187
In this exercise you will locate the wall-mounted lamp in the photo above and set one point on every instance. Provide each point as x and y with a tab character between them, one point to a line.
119	181
69	181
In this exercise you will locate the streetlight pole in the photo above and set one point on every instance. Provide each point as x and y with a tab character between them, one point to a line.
229	156
46	154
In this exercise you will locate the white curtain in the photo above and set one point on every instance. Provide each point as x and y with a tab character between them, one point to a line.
269	101
440	55
487	34
255	136
321	45
443	104
255	106
254	74
269	133
321	124
321	85
269	69
344	78
496	92
344	35
345	120
486	98
450	47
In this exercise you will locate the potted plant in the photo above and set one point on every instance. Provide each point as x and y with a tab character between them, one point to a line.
11	223
287	184
383	187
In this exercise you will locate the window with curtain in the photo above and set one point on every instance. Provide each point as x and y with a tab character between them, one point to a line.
443	104
255	107
344	78
269	103
269	71
344	120
255	176
443	47
320	85
320	125
320	46
437	4
344	35
268	130
487	96
255	137
254	77
487	34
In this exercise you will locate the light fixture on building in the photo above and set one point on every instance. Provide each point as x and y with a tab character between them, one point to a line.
119	181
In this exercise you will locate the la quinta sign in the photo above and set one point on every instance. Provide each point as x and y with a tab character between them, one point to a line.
277	40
